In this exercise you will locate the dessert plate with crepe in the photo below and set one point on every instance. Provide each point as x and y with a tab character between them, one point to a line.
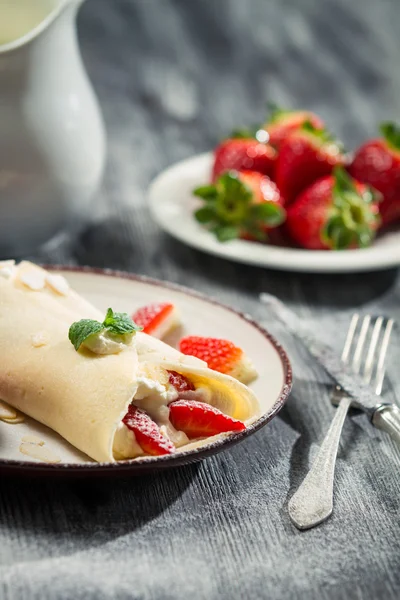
85	389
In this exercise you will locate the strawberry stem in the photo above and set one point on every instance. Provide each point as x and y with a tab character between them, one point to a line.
276	112
354	218
391	133
245	133
230	212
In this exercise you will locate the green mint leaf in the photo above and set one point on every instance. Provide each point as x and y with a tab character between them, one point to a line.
119	323
81	330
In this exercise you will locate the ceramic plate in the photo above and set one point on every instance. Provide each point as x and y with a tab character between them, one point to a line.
200	316
172	205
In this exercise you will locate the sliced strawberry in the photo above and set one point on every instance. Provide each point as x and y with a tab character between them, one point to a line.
180	382
377	162
147	432
220	355
282	123
334	213
198	419
157	319
237	154
305	156
242	204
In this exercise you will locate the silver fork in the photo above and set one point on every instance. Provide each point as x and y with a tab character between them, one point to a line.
313	501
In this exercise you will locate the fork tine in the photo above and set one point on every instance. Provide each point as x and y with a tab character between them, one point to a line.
369	361
360	343
350	336
380	370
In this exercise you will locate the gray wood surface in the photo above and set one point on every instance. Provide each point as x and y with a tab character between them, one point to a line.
172	77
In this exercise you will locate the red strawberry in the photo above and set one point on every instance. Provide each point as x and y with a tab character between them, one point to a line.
305	156
284	122
220	355
157	319
377	162
147	432
237	154
180	382
198	419
334	213
240	204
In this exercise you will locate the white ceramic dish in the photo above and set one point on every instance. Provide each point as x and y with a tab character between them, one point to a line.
201	316
172	205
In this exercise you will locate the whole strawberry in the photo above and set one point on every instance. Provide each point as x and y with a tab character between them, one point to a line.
242	204
243	153
306	155
334	213
377	162
282	123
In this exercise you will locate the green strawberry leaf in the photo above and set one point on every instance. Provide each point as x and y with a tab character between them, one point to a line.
233	201
353	220
234	213
323	135
276	112
206	214
391	133
343	181
365	236
341	238
256	232
244	133
81	330
226	233
207	192
268	213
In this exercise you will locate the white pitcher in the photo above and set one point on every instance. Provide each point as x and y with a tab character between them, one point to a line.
52	142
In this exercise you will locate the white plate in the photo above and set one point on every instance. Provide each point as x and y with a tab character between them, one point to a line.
172	205
200	315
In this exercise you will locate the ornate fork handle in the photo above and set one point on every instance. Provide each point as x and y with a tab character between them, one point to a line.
387	418
313	501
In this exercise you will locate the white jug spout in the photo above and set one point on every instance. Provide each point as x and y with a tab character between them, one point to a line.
21	21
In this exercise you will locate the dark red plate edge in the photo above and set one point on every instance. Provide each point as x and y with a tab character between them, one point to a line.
153	464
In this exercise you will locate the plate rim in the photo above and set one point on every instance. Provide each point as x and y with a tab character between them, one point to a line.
148	464
301	254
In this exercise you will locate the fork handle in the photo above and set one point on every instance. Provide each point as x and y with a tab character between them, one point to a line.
387	418
313	501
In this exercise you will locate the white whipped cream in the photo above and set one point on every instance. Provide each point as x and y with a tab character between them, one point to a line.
125	444
178	438
108	343
154	397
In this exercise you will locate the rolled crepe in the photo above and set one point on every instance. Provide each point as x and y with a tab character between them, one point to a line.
81	395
